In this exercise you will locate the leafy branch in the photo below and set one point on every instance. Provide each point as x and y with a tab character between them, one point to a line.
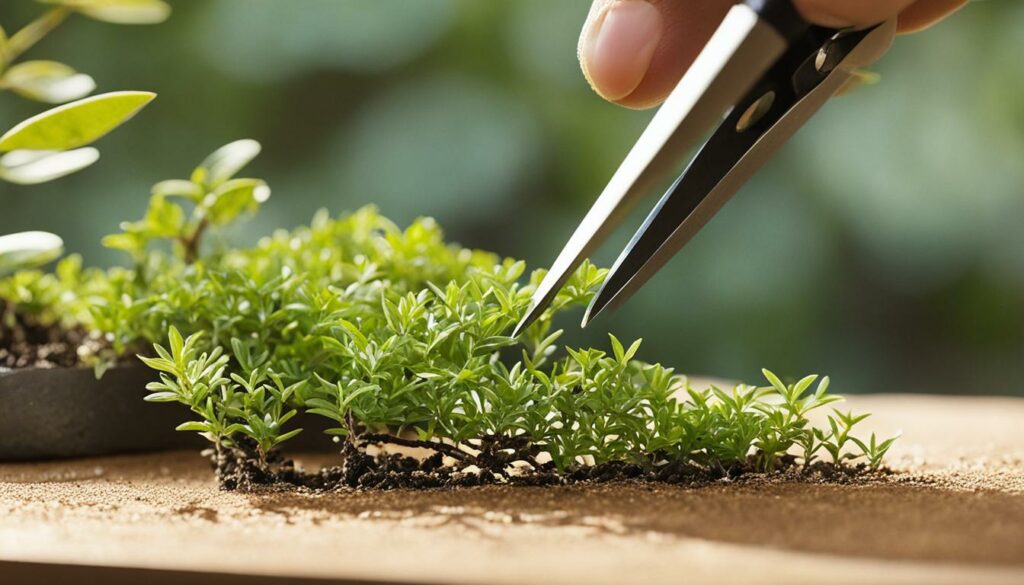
55	143
181	210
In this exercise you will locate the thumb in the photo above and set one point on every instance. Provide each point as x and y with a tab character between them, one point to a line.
633	52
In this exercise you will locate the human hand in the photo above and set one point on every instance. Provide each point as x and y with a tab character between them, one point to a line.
633	52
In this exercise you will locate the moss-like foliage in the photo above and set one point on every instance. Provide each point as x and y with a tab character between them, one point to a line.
396	336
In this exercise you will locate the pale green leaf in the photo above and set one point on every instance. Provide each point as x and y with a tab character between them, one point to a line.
76	124
227	160
163	218
193	425
161	397
47	81
235	197
177	188
29	167
129	242
120	11
27	249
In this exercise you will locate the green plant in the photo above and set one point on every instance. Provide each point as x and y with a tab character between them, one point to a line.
216	198
55	143
397	337
874	451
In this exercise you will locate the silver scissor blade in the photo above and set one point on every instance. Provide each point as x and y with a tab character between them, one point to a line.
662	234
741	50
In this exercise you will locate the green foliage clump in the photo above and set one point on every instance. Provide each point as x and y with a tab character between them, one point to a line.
396	336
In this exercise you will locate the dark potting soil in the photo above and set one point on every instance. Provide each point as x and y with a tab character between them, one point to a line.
26	343
240	469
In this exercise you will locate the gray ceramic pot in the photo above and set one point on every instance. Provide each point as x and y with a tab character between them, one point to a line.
62	413
66	412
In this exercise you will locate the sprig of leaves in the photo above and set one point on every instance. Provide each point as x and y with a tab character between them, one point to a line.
55	143
181	210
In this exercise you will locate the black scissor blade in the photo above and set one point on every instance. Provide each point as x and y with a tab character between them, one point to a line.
741	50
725	162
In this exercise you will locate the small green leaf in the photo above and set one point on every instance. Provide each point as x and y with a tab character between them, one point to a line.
226	161
47	81
119	11
177	343
76	124
163	218
28	249
775	382
128	242
284	437
178	188
234	198
30	167
161	397
159	364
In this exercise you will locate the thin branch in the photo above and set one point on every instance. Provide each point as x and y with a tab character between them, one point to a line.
444	448
191	242
32	33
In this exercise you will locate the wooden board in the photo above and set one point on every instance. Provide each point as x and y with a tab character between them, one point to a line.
955	514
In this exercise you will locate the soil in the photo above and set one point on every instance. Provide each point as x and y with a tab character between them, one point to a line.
952	512
25	342
419	465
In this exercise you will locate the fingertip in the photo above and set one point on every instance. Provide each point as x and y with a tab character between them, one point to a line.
683	28
617	46
924	13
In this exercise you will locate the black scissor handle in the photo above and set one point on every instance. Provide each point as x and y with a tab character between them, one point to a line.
782	16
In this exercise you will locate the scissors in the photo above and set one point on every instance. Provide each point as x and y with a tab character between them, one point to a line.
761	77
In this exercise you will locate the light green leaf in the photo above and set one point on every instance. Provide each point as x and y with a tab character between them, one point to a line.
194	425
129	242
227	160
120	11
177	188
76	124
27	249
163	218
29	167
161	397
47	81
234	198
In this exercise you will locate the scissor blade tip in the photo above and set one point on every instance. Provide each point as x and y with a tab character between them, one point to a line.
586	319
596	306
519	328
528	319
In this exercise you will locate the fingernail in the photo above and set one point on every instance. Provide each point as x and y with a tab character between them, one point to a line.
618	49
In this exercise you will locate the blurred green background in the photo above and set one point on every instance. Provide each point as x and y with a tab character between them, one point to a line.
883	246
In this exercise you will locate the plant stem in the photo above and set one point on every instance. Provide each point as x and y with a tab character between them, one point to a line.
450	450
32	33
191	242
